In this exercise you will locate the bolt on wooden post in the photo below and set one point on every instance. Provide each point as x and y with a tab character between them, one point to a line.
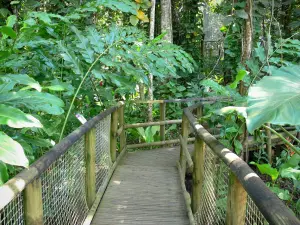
121	124
198	173
236	202
90	166
33	203
162	107
113	135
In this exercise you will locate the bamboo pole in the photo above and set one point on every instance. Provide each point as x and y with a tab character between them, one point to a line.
113	135
162	107
159	123
236	202
33	203
199	111
121	124
90	165
198	173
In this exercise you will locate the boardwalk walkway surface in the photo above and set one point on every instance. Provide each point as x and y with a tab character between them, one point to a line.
144	190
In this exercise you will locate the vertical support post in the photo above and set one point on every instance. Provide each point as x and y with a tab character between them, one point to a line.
90	166
199	111
184	134
162	107
198	173
113	135
121	124
236	202
33	203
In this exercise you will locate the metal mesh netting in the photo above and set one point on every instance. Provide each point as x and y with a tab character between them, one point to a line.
13	213
103	160
253	215
63	188
213	205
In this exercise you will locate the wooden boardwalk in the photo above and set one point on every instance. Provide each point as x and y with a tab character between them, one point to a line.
144	190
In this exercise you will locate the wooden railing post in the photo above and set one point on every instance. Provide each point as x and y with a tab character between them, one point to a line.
162	107
121	124
200	111
236	202
113	135
33	203
90	166
198	173
184	134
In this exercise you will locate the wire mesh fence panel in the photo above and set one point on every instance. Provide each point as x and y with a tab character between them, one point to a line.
213	204
253	215
63	188
13	213
103	160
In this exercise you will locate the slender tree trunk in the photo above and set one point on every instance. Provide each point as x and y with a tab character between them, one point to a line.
246	54
151	34
166	19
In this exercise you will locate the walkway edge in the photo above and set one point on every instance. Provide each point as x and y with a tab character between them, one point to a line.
101	191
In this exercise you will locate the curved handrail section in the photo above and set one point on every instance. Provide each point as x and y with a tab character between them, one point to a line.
271	207
17	184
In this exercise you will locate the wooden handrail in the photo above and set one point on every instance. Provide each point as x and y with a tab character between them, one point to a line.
272	208
17	184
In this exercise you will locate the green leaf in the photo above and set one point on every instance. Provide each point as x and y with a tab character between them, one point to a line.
15	118
37	101
290	173
275	99
240	76
260	53
134	20
85	49
21	79
11	21
3	173
70	57
230	109
55	87
267	169
282	194
8	31
11	152
238	146
241	14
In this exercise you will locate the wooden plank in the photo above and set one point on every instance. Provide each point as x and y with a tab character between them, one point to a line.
162	110
33	203
90	166
144	189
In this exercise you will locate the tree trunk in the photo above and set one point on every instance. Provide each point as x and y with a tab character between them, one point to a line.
166	20
246	54
151	35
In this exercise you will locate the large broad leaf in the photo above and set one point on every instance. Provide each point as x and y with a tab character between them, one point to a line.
283	194
37	101
275	99
267	169
21	79
71	59
11	152
16	118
